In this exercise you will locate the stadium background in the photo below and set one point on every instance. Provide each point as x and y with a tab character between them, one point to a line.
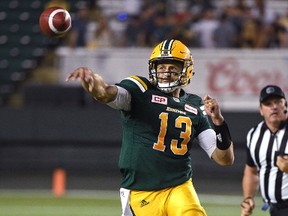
45	124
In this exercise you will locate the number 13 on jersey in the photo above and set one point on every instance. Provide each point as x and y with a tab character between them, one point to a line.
180	122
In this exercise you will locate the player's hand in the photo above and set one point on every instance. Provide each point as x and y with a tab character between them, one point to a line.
247	206
85	75
282	163
212	108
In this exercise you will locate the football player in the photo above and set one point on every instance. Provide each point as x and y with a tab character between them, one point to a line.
159	121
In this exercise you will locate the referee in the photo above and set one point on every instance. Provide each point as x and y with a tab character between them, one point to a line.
267	156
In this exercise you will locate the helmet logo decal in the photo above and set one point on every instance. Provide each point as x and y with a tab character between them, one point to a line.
166	47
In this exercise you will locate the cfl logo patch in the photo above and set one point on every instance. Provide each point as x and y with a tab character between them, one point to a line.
159	99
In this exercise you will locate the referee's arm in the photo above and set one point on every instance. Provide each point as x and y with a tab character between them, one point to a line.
250	185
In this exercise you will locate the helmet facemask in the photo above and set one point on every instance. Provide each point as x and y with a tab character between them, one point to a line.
166	83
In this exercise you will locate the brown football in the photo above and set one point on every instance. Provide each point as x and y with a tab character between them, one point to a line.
55	21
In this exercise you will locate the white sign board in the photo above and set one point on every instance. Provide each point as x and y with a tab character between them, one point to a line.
234	77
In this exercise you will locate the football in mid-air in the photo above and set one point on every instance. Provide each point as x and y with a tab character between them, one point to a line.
55	22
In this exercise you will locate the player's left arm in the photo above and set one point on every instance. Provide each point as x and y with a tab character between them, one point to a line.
224	153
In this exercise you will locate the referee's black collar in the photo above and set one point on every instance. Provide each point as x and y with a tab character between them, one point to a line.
282	125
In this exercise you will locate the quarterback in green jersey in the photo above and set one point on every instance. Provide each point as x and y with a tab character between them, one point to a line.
160	121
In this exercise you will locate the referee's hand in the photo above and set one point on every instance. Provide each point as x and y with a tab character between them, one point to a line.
247	206
282	163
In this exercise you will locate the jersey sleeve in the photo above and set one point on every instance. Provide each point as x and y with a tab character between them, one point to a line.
249	160
205	134
122	100
207	141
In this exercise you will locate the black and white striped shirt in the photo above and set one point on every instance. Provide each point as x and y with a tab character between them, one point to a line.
261	147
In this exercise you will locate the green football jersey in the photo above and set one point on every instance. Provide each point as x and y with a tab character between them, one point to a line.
157	136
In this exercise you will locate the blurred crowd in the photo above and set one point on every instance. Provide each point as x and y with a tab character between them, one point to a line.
197	23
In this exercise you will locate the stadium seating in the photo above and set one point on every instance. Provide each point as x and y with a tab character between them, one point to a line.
21	41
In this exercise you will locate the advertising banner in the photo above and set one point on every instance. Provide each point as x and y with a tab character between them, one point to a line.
234	77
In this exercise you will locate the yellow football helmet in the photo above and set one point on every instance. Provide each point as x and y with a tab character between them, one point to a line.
169	51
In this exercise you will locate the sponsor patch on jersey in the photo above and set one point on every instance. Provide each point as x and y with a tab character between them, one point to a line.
190	109
170	109
159	99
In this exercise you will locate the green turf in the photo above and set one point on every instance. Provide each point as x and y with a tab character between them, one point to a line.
100	204
44	204
228	205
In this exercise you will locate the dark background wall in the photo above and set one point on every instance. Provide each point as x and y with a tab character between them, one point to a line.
64	127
